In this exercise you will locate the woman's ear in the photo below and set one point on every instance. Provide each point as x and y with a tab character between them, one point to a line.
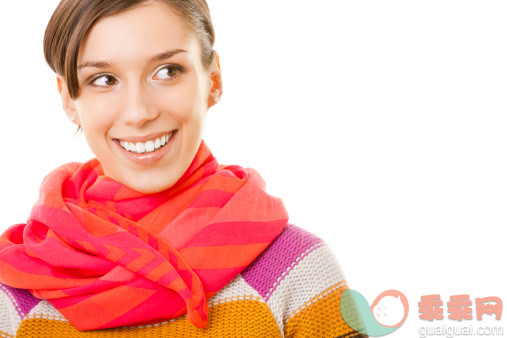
67	102
216	88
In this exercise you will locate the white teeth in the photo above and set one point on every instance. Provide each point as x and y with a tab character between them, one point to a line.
149	146
125	145
146	147
140	147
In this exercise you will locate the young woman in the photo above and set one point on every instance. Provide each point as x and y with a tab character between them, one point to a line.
153	237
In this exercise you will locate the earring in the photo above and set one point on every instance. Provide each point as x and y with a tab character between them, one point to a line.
73	119
217	99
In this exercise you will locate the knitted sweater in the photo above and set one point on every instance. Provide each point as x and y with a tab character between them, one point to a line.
291	290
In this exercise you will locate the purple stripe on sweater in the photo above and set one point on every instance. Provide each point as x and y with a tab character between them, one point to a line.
291	244
25	301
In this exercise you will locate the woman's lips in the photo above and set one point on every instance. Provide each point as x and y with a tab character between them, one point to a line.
145	138
151	157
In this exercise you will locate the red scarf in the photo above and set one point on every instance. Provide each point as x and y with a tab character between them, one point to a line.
105	255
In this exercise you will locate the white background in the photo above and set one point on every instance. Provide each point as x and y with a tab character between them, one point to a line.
381	125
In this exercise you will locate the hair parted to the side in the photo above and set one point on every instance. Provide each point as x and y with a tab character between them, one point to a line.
72	19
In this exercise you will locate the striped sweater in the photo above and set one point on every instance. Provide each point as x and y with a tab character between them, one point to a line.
291	290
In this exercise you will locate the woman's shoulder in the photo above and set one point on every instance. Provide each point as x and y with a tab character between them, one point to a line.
296	251
296	256
301	281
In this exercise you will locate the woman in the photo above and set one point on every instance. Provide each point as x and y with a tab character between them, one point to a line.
153	237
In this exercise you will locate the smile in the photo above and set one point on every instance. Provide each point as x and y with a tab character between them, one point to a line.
148	146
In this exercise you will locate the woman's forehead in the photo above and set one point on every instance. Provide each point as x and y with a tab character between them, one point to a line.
141	32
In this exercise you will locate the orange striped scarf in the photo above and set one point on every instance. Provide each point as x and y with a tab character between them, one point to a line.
105	255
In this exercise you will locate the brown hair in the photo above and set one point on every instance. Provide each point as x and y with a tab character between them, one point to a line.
72	19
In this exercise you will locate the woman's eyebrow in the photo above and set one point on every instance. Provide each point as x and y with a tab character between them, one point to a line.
158	57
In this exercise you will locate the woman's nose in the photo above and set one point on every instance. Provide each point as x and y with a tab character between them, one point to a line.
136	107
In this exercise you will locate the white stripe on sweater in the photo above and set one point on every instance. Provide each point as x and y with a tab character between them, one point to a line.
315	273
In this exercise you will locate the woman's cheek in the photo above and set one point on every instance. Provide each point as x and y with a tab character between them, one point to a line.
177	105
97	113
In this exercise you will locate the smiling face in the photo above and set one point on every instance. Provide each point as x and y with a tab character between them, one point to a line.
142	83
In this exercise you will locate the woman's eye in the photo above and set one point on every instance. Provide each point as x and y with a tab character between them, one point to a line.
104	81
170	72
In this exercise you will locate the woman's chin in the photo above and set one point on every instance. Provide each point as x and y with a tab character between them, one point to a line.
149	184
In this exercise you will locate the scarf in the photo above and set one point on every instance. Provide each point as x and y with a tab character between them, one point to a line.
105	255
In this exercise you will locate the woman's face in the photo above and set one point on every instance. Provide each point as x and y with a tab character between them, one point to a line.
142	87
